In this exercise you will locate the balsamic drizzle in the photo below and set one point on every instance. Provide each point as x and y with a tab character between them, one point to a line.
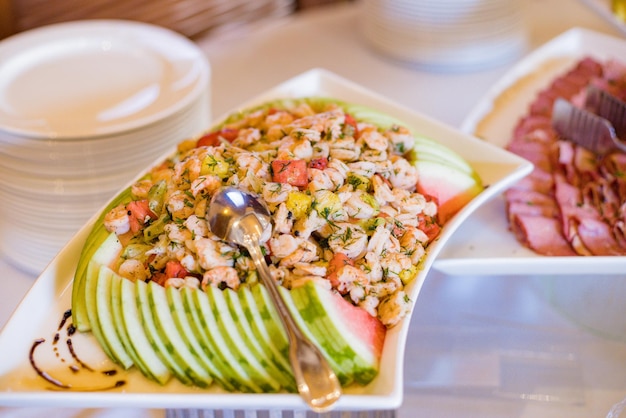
77	366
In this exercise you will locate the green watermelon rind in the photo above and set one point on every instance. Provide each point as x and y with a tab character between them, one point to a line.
151	329
262	333
209	325
315	306
132	322
257	346
173	340
230	332
205	358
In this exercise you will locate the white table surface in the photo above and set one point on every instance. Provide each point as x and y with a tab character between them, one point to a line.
478	346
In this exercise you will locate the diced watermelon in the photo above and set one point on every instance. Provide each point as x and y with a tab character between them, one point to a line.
293	172
213	138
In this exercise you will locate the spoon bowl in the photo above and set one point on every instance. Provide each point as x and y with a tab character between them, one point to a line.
238	217
228	206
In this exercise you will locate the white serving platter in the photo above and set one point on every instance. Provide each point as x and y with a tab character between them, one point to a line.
484	244
41	310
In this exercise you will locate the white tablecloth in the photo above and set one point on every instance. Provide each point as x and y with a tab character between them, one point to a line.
478	346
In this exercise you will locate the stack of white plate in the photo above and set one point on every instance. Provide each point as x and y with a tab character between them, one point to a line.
84	107
452	35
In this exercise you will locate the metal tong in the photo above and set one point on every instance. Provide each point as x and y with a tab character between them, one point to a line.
598	127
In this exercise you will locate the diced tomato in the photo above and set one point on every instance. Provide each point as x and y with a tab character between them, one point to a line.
173	268
350	121
159	278
428	225
319	163
293	172
335	264
213	139
139	211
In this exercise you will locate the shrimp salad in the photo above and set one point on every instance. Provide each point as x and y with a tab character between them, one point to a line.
341	194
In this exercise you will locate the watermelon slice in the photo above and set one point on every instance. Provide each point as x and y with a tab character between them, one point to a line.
349	335
450	187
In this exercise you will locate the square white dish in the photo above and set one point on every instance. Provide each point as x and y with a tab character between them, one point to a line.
41	310
484	244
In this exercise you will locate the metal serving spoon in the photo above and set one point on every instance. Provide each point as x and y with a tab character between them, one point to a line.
238	217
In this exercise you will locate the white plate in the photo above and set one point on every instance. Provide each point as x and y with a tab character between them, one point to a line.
40	311
484	244
56	81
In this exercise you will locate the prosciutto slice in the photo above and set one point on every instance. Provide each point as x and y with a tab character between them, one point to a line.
541	234
572	203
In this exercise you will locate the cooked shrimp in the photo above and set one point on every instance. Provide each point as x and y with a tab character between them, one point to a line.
363	168
370	305
404	175
117	220
283	245
180	205
304	227
321	149
370	264
283	219
349	239
407	202
320	180
197	226
401	139
345	149
133	270
393	308
375	157
247	137
212	254
359	205
275	193
380	240
205	183
248	161
393	264
306	134
183	282
351	280
374	139
304	269
307	252
382	191
141	188
219	276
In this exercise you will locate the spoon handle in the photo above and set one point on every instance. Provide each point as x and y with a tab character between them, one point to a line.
317	383
283	311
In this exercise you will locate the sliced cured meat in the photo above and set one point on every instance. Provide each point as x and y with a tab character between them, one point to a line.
597	236
570	192
535	152
541	234
528	196
530	208
531	123
538	180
